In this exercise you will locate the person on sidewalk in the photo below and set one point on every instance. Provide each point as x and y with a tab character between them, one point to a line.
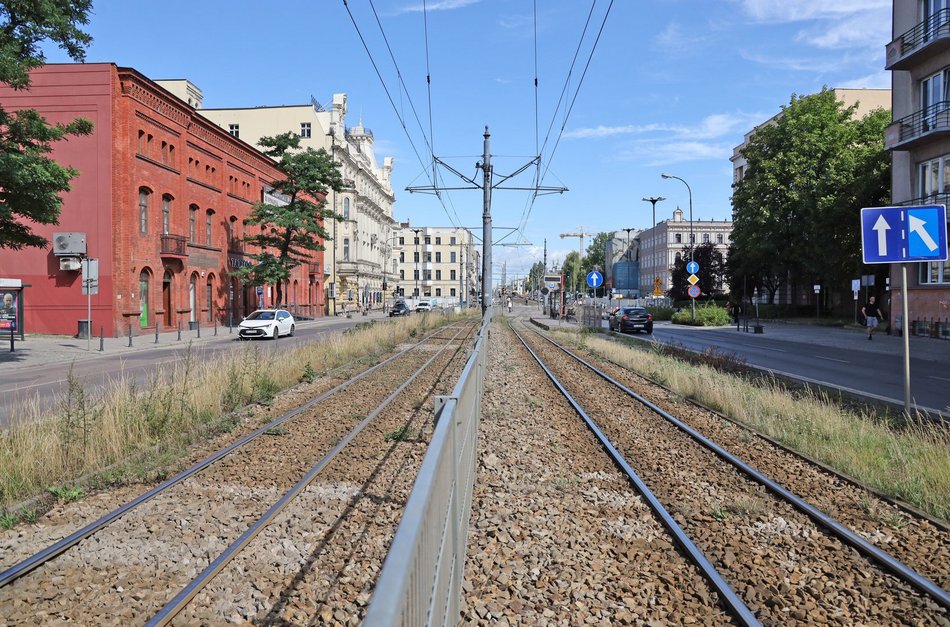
872	314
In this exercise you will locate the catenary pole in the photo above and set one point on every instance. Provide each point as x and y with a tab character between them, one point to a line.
486	223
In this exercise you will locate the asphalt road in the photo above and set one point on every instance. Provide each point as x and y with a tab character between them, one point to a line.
38	373
840	358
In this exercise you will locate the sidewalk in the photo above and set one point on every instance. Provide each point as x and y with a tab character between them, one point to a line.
40	350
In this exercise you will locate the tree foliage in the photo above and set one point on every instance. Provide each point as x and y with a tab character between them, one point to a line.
796	210
712	272
31	182
291	232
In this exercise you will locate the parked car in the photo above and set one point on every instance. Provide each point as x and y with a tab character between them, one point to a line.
423	305
270	323
399	309
631	319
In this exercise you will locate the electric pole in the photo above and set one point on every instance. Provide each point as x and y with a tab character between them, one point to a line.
581	234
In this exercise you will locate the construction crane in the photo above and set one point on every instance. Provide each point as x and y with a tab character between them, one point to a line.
581	234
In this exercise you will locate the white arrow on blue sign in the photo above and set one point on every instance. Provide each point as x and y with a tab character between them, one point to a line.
900	234
692	267
595	279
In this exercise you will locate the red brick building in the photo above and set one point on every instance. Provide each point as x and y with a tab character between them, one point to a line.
160	201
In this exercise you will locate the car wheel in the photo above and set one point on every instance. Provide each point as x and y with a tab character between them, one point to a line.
276	335
292	328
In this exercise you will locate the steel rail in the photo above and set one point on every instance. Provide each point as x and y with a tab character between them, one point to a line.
173	607
735	605
882	558
23	567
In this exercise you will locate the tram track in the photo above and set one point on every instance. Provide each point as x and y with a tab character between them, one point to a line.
783	566
131	567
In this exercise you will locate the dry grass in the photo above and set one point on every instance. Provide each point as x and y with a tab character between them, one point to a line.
911	462
177	406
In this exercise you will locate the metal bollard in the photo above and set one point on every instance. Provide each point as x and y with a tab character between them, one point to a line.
157	324
179	330
230	321
198	326
130	334
12	340
101	338
216	327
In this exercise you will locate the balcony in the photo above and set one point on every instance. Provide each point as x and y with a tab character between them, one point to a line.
919	128
923	201
173	247
927	39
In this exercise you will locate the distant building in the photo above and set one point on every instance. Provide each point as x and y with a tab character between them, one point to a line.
919	141
621	257
661	246
160	201
438	262
359	261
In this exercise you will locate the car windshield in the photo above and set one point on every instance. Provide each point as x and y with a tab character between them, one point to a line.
634	311
261	315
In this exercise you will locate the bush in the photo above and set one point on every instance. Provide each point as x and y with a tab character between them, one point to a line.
661	313
706	316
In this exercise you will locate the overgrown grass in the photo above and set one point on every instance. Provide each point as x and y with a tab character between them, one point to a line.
910	460
125	431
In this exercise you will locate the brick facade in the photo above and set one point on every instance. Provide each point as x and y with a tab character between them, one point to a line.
161	196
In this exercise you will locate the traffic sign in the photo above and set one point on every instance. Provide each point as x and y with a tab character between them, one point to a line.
657	286
595	279
901	234
260	290
693	279
692	267
693	291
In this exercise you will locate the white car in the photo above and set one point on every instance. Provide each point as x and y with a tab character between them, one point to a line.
270	323
424	305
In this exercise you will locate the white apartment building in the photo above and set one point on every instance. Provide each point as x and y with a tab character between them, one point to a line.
660	246
360	262
438	263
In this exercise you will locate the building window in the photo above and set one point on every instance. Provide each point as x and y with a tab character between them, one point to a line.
438	291
415	240
208	220
402	241
164	152
427	257
705	238
141	146
719	238
166	213
451	275
438	240
402	257
209	296
428	240
438	257
415	275
346	208
305	130
452	241
452	292
452	257
193	224
415	257
346	249
934	273
692	238
402	275
193	298
438	275
144	278
234	130
934	177
427	275
144	194
679	238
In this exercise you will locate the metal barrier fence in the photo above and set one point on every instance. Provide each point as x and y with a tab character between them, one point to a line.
421	579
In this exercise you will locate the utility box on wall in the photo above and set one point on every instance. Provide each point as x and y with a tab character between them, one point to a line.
70	244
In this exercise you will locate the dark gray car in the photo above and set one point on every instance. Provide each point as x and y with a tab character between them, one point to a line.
628	319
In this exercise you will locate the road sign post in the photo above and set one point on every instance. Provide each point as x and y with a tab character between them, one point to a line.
903	235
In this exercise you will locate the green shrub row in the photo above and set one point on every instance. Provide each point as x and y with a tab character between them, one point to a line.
706	316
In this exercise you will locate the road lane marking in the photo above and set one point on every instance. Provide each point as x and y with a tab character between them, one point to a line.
840	361
938	378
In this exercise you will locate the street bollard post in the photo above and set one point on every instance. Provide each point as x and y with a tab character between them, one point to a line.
130	334
102	346
179	330
198	326
157	324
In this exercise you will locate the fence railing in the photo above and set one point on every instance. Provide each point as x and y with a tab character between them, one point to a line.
421	580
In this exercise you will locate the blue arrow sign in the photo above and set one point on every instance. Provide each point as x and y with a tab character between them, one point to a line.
595	279
901	234
692	267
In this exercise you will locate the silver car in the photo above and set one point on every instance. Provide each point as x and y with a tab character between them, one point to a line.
271	323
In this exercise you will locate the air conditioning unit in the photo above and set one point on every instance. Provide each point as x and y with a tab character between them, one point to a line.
69	244
70	264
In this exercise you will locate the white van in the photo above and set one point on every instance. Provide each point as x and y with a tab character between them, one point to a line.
423	305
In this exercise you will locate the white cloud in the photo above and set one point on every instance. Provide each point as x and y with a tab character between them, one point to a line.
878	80
801	64
802	10
710	127
673	39
444	5
660	152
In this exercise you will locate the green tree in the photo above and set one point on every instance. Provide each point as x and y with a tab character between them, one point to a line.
291	232
536	276
572	269
796	208
31	182
712	272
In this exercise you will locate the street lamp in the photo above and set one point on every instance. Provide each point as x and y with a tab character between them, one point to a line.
688	189
653	200
627	255
416	295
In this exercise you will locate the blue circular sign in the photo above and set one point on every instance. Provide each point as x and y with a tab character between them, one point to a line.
595	279
692	267
693	291
260	290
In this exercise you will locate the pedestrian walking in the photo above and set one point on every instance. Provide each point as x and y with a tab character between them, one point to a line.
508	302
872	314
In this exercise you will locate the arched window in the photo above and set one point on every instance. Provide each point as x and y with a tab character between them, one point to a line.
346	249
677	257
144	194
346	208
144	280
193	224
166	213
209	296
193	297
209	215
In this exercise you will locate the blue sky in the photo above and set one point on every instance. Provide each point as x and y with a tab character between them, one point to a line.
672	87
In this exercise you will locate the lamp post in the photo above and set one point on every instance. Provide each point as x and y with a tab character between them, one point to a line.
627	255
653	200
688	189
